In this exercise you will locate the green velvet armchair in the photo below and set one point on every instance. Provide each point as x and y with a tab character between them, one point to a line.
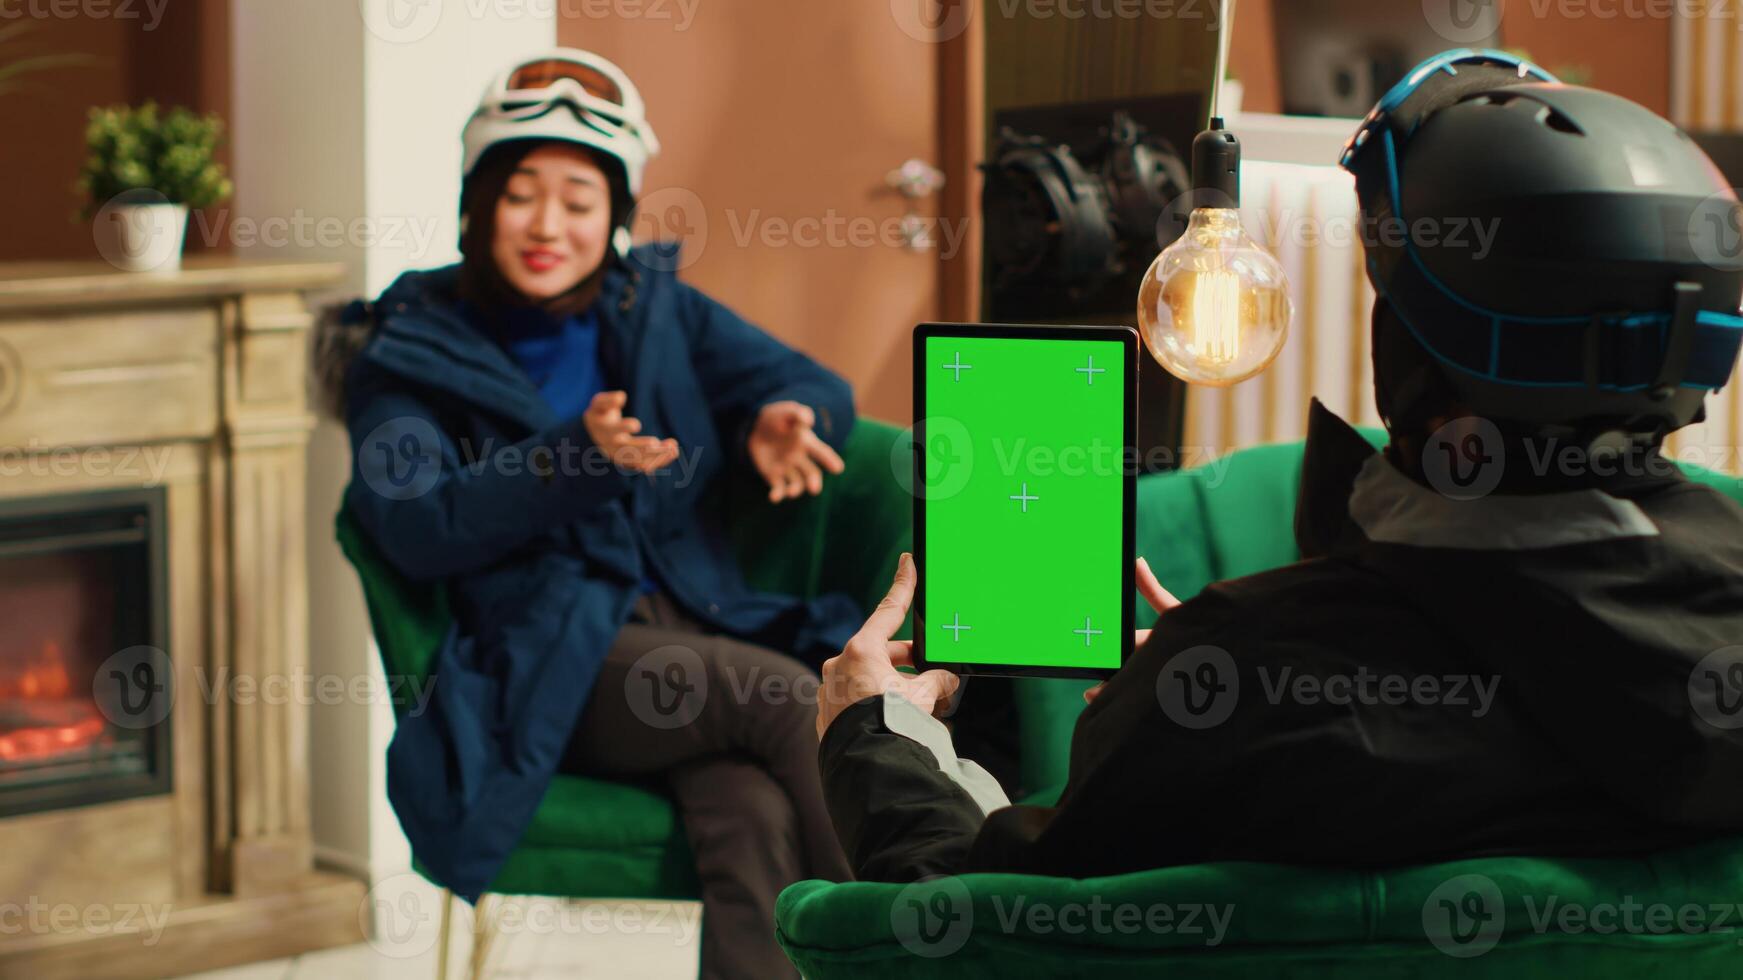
594	838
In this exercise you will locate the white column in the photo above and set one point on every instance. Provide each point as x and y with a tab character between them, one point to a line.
345	127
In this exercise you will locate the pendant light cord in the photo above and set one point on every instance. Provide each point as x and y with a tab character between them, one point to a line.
1225	33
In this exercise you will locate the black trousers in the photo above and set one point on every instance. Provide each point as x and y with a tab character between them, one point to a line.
729	727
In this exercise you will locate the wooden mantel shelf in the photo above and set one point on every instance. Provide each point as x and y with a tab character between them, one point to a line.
51	285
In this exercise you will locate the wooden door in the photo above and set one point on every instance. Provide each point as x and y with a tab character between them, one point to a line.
779	121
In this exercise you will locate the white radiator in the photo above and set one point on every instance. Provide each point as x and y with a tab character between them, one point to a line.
1307	216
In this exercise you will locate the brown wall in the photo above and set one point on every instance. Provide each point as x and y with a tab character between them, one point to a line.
1253	56
774	112
1036	61
181	59
1628	57
184	59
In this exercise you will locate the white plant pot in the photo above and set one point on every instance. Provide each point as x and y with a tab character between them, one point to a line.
142	237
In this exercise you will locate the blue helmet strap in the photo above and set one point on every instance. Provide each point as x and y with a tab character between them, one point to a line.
1625	351
1686	346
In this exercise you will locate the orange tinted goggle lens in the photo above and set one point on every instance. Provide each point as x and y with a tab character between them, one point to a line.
542	74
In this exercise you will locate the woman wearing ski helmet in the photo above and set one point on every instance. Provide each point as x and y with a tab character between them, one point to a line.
536	428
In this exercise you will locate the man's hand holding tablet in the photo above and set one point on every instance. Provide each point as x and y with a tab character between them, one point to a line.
866	667
1159	598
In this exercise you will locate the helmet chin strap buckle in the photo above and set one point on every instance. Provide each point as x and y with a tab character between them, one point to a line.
1680	341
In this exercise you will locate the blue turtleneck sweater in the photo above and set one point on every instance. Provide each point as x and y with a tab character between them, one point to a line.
562	360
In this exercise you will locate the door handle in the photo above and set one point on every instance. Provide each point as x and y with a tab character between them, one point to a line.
915	180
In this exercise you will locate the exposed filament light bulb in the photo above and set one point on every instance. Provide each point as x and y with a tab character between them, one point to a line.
1216	310
1214	306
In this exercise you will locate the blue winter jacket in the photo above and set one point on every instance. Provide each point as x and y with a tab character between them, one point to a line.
463	474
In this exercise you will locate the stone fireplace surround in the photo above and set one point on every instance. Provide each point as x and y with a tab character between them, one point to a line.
204	372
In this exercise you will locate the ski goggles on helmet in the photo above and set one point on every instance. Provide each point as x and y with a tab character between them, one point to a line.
536	87
567	95
595	92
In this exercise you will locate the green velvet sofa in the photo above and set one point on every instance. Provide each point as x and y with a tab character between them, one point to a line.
1491	917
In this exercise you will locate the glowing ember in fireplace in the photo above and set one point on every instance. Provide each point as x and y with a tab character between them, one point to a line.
47	741
38	720
45	676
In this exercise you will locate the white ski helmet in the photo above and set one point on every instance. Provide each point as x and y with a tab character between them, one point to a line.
570	95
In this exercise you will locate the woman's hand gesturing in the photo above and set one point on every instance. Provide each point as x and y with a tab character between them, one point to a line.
615	434
788	453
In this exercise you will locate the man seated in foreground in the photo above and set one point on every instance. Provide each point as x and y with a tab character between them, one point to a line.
1531	611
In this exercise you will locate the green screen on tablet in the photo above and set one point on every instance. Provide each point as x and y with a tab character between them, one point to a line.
1024	498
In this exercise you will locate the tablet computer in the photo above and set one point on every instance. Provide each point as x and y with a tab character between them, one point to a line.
1025	498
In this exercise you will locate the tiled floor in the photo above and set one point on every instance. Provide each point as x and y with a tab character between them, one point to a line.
538	938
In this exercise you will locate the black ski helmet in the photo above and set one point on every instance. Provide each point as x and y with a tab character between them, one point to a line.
1565	258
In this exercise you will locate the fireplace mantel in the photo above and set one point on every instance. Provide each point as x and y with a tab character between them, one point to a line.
203	372
37	286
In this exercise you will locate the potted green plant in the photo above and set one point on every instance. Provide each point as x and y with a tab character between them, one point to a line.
144	169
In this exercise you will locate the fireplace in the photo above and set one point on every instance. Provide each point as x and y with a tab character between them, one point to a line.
83	662
153	435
